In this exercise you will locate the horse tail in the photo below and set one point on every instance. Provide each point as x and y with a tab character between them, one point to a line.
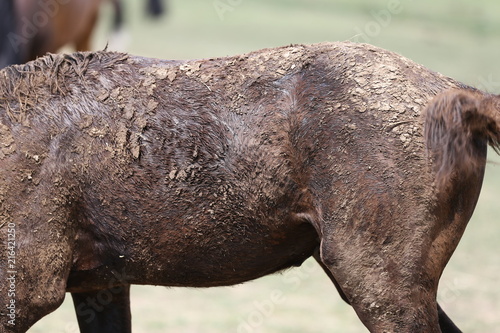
155	8
457	125
118	12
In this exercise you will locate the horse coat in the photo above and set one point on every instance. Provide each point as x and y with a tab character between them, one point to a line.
119	170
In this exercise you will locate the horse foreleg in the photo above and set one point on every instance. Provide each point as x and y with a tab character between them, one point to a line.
33	279
106	310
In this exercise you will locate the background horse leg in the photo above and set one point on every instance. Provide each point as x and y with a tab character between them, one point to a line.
106	310
155	8
84	39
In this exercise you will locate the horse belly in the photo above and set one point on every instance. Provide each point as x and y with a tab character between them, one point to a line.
201	258
191	240
229	257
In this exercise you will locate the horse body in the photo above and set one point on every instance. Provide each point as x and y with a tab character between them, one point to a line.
214	172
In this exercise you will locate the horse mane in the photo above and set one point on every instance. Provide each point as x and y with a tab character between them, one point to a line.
22	86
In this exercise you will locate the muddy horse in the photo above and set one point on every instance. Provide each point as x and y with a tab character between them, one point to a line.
119	170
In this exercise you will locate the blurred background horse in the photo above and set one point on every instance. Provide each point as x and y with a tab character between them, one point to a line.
30	29
7	54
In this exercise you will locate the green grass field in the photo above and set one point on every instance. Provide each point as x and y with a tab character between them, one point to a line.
458	38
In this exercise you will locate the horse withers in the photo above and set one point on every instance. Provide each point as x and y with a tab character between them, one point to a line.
119	170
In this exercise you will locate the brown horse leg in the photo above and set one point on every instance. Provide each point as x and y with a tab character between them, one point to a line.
106	310
385	295
445	323
83	41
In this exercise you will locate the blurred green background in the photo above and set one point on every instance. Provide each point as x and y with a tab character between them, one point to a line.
458	38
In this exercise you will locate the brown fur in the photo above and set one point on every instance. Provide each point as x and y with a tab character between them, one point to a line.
214	172
455	123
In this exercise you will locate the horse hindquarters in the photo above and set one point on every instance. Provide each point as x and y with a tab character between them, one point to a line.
388	242
387	246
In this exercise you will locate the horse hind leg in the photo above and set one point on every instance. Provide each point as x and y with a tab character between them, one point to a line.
386	299
317	257
445	323
382	257
105	310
